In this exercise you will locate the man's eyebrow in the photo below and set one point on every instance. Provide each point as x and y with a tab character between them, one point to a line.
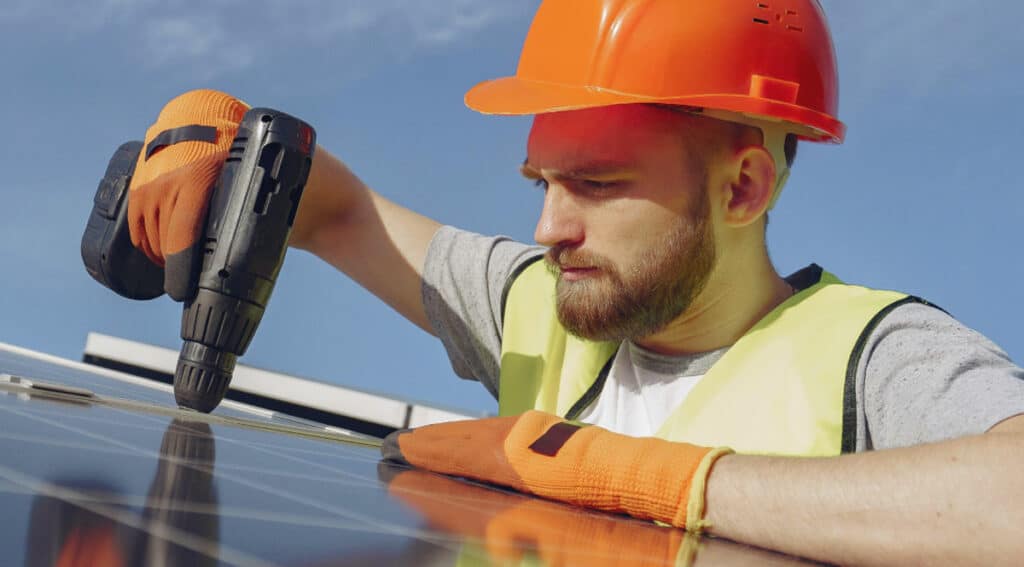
528	171
586	171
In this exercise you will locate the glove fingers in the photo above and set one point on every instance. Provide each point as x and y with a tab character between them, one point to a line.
137	210
151	224
391	451
170	188
182	233
181	274
471	449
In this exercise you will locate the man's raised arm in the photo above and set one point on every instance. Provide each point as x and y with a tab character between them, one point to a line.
379	244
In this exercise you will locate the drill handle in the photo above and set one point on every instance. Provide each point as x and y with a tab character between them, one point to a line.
251	213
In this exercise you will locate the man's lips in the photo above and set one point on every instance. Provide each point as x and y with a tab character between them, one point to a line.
574	273
572	266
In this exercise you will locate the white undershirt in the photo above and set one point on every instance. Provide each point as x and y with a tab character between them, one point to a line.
644	388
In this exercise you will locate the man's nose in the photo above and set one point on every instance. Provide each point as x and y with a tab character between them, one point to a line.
559	222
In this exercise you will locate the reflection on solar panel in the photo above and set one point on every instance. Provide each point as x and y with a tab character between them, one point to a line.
100	468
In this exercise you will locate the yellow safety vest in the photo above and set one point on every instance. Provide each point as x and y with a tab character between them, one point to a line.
787	387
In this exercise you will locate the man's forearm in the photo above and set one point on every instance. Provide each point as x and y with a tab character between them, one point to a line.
379	244
955	502
331	190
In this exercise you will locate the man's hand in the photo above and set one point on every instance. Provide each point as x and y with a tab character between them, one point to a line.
181	159
541	454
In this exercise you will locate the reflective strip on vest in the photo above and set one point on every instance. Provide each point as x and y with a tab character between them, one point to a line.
778	390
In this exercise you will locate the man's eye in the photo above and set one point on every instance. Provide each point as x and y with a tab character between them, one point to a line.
594	184
541	183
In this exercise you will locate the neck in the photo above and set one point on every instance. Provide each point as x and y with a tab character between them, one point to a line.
739	292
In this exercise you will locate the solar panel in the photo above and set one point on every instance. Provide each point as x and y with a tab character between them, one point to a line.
101	466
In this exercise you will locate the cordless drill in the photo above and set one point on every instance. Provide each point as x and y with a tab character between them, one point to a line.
242	248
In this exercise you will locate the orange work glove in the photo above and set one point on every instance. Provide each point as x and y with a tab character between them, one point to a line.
510	526
541	454
180	163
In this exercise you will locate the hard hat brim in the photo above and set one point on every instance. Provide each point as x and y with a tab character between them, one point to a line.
515	96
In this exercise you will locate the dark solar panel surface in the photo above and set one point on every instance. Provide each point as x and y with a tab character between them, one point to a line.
141	484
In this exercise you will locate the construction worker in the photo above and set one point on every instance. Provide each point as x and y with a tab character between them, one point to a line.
795	413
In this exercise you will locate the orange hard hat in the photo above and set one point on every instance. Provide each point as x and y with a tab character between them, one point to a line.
759	60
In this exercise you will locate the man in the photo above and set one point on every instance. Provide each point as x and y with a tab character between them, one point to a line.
663	134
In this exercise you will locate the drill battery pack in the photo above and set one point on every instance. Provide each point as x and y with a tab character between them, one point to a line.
107	249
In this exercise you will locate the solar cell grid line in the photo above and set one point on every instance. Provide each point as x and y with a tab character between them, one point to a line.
15	359
62	444
252	417
103	381
276	452
471	505
160	427
332	477
133	449
57	411
58	375
213	550
343	452
141	501
373	524
340	450
475	504
293	519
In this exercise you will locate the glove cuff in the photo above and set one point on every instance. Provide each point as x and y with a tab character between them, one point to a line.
693	514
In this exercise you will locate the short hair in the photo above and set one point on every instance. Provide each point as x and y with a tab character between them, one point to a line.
790	149
789	146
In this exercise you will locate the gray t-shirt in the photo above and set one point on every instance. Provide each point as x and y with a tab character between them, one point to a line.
923	375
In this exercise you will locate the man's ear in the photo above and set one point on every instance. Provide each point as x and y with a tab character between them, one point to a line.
751	183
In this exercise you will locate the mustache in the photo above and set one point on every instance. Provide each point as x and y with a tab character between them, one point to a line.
558	258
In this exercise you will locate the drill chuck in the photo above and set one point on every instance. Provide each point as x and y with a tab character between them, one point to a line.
202	376
216	329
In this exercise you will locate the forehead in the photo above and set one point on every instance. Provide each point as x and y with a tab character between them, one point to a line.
627	133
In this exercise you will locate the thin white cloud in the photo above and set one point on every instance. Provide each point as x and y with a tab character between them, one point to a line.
445	22
178	40
70	16
219	36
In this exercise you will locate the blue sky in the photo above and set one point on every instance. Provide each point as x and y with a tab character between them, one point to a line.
923	197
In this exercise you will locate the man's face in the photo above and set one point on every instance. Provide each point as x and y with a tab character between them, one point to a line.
626	217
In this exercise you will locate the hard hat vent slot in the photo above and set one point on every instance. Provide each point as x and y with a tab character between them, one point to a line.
779	17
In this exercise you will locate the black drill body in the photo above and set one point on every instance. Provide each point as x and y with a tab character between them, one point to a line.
242	248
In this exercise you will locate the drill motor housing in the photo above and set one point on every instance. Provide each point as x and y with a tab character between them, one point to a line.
250	216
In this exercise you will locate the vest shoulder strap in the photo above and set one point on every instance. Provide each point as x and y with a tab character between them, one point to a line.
781	389
542	365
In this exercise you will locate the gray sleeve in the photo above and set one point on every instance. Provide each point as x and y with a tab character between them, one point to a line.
464	276
926	377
